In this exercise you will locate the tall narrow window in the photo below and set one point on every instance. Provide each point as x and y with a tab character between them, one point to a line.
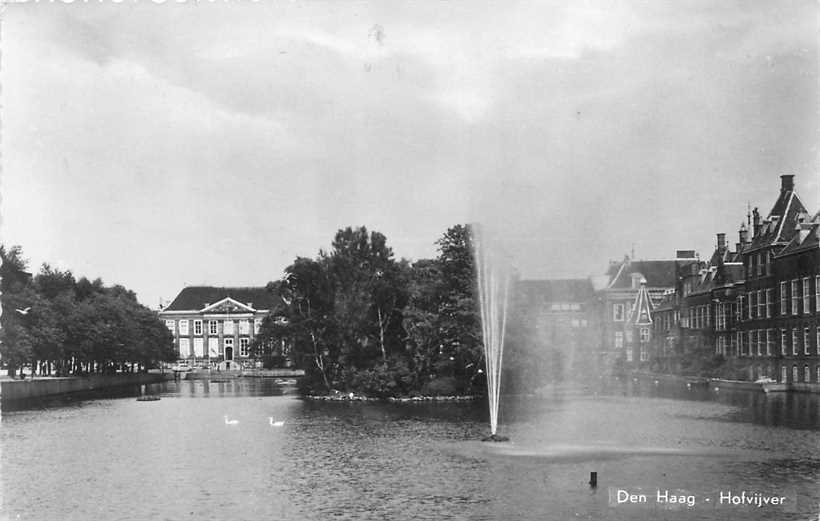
197	327
806	296
817	296
257	325
795	374
769	342
784	374
752	304
806	340
761	304
183	327
199	349
795	341
795	296
619	339
817	339
244	342
769	302
171	325
227	327
244	327
784	342
806	374
783	299
213	328
618	312
184	347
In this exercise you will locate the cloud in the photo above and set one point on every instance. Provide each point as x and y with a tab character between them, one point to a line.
247	133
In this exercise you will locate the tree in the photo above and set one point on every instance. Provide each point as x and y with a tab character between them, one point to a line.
304	320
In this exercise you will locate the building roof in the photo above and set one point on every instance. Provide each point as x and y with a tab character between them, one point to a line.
781	224
555	290
198	297
806	237
658	274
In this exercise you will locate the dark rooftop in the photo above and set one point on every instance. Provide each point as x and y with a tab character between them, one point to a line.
197	297
658	274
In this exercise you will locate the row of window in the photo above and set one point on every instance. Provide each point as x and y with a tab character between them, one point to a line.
760	342
759	265
644	354
565	306
797	297
213	347
784	374
228	327
621	335
767	371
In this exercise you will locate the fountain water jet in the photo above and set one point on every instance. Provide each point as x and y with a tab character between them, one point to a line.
493	276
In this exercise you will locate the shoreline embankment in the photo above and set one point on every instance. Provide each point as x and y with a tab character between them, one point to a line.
20	390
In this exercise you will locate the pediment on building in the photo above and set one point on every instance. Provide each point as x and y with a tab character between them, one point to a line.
227	305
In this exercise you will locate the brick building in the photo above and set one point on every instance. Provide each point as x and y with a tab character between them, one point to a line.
614	301
777	332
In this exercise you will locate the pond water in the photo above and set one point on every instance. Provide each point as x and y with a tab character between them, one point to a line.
111	457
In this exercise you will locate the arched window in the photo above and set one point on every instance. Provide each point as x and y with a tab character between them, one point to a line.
806	374
795	374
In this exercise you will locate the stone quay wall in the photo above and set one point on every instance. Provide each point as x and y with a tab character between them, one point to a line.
16	390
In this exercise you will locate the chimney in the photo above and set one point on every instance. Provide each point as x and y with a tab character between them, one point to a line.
743	234
756	222
721	242
786	183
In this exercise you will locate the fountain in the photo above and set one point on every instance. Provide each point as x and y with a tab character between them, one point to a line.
493	278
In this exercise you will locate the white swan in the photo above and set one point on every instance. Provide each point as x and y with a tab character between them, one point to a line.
279	423
230	422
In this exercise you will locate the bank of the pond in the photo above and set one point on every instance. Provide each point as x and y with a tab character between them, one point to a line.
19	390
719	383
210	374
352	397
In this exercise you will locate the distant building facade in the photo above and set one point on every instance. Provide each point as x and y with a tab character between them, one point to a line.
750	311
216	325
756	307
615	300
558	312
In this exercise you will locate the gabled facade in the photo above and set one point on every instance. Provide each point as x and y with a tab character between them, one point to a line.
216	325
615	300
777	330
638	328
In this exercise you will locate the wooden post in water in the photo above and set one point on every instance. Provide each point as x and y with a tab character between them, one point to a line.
593	479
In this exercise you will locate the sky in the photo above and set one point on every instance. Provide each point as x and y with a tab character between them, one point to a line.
163	145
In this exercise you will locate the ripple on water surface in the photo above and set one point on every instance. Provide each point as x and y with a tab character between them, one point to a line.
178	458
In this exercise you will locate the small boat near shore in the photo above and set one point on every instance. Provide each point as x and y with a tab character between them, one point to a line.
775	388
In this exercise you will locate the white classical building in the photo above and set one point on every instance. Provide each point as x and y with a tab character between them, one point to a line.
215	324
